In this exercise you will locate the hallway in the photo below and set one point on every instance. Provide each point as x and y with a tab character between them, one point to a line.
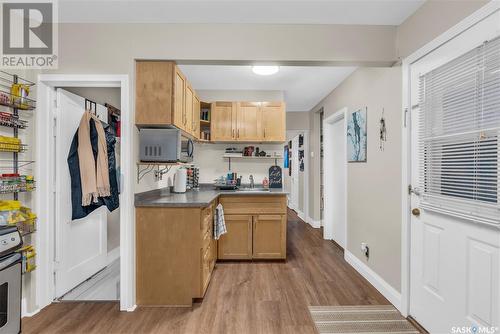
243	297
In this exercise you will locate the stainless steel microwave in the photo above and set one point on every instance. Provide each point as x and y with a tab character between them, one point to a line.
165	145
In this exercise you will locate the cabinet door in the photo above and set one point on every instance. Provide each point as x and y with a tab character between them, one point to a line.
223	121
196	116
153	93
188	109
236	244
249	121
273	121
179	98
269	237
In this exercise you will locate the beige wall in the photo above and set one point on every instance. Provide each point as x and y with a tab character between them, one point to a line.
433	18
374	187
297	121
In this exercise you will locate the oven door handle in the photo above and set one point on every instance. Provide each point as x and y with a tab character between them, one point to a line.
10	260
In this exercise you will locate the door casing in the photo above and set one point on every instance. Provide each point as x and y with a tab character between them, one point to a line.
45	208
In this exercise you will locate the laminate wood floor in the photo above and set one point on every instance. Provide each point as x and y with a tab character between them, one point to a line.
243	297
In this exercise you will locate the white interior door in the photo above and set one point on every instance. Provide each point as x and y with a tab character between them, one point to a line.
335	167
455	225
294	179
81	245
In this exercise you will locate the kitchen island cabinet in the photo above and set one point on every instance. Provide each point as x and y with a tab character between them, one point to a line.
175	247
256	228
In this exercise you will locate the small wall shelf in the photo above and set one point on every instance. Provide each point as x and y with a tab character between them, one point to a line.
243	157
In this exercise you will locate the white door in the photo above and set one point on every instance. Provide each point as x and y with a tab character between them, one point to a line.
335	167
294	179
455	224
81	245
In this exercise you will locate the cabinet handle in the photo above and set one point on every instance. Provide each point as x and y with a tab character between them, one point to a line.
238	133
264	132
233	134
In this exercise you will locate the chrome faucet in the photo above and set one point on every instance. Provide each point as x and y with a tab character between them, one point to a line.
252	184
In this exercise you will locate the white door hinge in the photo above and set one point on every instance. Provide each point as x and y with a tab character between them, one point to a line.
57	265
413	190
54	126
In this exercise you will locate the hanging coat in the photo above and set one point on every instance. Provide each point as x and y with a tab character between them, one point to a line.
112	202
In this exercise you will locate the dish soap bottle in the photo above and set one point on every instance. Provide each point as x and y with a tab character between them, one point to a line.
265	183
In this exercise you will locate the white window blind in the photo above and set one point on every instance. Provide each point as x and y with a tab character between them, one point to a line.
459	129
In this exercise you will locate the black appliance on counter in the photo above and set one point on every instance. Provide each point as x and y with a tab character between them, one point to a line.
10	280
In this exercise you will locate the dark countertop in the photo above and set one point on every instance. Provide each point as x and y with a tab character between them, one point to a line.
193	198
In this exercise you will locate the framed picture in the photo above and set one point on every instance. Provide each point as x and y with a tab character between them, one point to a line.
356	136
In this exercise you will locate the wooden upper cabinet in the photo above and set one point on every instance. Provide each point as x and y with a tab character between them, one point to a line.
248	121
179	115
237	242
273	121
196	116
163	96
188	109
154	93
269	236
223	122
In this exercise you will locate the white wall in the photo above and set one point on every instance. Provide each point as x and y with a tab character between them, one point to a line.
212	165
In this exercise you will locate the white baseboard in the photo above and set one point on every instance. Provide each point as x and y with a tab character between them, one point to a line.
313	223
113	255
301	215
132	309
378	282
24	307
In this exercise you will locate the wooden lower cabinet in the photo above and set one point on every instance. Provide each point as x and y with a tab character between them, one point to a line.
259	232
236	244
175	254
269	237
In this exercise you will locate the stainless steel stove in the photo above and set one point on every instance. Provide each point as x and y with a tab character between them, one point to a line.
10	280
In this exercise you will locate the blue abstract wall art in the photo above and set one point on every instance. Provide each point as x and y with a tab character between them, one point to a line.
356	136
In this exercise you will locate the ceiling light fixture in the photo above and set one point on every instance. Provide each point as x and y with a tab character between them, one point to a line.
265	70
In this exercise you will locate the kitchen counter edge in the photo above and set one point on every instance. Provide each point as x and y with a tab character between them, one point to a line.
192	198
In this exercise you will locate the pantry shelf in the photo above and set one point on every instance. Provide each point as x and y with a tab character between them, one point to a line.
16	102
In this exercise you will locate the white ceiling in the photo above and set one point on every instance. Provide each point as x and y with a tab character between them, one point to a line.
303	86
376	12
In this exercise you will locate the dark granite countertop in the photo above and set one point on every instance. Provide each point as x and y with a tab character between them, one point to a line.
193	198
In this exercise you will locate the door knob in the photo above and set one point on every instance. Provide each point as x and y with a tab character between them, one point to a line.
415	212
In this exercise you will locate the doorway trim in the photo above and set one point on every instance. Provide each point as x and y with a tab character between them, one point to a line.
467	23
304	215
45	199
340	115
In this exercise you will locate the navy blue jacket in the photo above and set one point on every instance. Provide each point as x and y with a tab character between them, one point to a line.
112	202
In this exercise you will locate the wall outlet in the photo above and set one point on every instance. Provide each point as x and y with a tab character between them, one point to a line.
365	249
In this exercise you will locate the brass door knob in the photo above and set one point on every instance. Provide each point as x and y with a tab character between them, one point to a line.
415	212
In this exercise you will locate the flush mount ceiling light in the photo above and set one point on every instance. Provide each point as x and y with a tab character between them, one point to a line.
265	70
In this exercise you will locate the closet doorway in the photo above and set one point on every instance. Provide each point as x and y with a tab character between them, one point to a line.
92	257
335	178
87	247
